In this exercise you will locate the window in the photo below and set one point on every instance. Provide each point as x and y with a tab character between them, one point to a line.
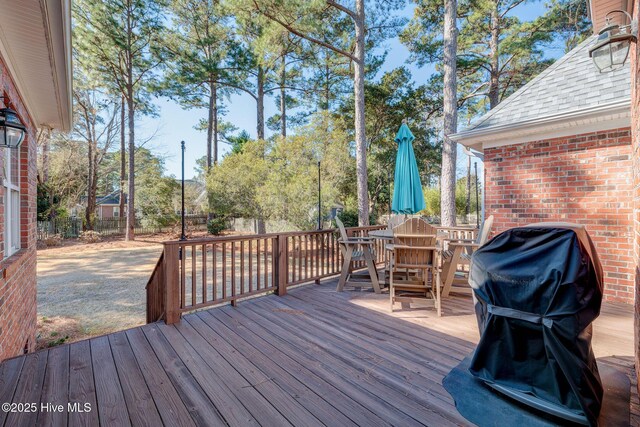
11	184
116	211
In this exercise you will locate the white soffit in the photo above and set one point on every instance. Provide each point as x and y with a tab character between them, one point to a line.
35	44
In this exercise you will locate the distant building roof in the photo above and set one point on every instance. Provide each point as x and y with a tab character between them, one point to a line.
569	97
110	199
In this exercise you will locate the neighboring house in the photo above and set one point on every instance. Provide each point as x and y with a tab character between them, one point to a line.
35	81
559	149
106	206
109	206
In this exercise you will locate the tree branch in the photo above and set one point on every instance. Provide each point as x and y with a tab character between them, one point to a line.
304	36
342	8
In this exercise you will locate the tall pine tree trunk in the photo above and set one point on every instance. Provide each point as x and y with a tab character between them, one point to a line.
91	188
361	140
214	91
494	82
260	103
283	98
131	213
123	156
210	128
450	122
327	86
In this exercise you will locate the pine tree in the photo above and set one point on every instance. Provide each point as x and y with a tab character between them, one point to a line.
118	40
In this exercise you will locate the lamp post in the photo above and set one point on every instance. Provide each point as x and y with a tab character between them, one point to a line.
182	235
611	49
319	200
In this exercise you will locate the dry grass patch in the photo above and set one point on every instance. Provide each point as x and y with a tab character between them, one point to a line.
58	330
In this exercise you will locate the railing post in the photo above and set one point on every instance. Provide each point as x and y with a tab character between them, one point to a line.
172	284
281	264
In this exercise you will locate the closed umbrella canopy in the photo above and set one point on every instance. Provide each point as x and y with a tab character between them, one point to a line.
407	191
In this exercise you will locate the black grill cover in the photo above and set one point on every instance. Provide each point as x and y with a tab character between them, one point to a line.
538	288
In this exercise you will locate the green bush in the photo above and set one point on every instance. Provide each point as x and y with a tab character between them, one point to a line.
215	226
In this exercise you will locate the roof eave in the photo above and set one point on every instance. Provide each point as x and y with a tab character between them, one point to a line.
565	123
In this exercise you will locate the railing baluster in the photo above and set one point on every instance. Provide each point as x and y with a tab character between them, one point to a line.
266	263
250	266
224	270
258	264
194	291
233	272
204	273
183	276
214	257
242	267
306	257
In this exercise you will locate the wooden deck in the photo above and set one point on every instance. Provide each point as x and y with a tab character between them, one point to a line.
312	357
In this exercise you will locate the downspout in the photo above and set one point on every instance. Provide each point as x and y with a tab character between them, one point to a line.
479	156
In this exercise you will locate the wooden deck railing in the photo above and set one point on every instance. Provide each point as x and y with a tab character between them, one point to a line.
199	273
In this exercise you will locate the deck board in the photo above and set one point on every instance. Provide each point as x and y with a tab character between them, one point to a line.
312	357
81	385
56	387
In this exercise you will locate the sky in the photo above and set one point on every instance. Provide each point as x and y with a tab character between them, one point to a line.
175	124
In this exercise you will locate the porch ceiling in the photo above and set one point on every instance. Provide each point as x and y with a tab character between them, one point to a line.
35	43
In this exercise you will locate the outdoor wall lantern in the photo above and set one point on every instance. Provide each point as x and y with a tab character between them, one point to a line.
611	49
12	130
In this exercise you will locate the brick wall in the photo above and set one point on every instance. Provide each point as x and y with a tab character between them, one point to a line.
635	133
583	179
18	278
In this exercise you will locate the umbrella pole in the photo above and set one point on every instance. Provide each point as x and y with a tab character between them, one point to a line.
389	184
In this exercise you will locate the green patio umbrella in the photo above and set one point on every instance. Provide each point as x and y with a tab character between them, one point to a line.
407	192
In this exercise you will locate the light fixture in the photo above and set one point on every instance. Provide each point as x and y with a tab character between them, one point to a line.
12	130
611	50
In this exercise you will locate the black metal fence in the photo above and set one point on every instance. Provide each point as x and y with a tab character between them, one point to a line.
69	228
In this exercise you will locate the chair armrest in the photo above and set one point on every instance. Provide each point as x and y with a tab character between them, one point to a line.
357	241
467	241
418	248
417	236
464	245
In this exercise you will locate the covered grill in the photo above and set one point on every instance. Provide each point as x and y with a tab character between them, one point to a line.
538	289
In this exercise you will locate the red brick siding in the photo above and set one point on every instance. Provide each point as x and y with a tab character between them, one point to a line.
18	280
583	179
635	133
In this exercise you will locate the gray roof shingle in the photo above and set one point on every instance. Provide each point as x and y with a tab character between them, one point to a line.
571	83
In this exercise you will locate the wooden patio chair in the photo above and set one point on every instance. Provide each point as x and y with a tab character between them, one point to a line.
403	233
457	258
357	250
416	256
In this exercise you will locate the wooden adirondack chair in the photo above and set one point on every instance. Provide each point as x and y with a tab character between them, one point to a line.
356	249
411	262
418	254
459	255
402	234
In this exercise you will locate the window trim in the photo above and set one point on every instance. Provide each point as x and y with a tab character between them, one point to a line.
9	188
